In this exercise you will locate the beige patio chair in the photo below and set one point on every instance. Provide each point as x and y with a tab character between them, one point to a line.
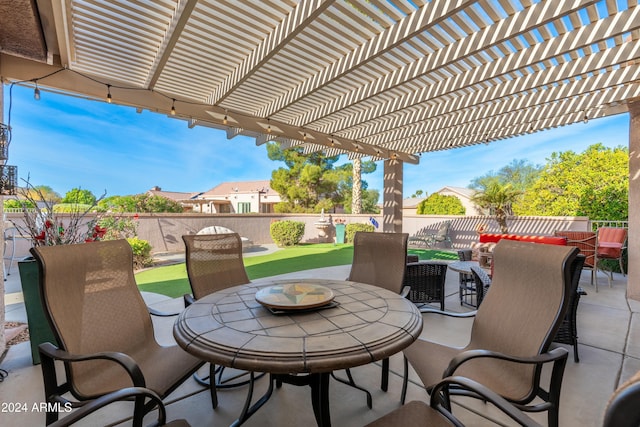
85	411
379	259
623	409
512	330
103	326
214	262
437	413
429	239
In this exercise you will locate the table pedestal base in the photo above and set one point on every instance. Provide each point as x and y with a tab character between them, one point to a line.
318	382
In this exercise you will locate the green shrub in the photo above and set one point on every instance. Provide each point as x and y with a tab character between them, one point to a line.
351	229
286	233
141	252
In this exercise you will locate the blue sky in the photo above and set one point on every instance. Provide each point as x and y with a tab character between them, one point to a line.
66	142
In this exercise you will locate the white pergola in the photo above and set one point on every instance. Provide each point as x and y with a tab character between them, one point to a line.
384	79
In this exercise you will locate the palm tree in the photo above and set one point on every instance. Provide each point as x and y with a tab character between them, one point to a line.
497	199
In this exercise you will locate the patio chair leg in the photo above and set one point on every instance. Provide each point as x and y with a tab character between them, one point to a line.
212	386
352	383
405	381
384	381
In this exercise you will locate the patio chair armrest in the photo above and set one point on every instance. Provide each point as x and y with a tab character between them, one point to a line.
188	300
487	395
154	312
405	291
118	395
551	356
51	352
448	313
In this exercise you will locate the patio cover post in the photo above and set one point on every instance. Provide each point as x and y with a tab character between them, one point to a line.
3	343
633	244
392	197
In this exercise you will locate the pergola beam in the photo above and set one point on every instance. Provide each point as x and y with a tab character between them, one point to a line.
426	17
301	16
502	31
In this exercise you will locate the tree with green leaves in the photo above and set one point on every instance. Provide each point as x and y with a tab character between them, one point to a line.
312	182
140	203
44	193
594	183
79	196
497	199
521	174
440	204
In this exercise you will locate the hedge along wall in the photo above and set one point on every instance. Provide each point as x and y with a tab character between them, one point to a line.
164	231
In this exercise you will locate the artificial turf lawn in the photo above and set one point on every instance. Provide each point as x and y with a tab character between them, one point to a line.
172	280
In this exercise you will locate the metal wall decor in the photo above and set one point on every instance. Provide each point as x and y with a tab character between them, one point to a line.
5	138
8	180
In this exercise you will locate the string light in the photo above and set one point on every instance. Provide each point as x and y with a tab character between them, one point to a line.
36	92
530	130
585	120
109	99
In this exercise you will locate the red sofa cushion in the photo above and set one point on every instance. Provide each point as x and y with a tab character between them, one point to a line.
496	237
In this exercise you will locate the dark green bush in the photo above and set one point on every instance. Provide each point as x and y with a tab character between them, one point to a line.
351	229
286	233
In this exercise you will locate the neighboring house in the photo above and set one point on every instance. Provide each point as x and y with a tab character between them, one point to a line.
464	195
238	197
410	205
183	198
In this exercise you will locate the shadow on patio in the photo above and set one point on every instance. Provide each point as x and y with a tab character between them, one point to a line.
609	337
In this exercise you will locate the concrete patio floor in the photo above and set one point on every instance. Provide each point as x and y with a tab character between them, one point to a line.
609	336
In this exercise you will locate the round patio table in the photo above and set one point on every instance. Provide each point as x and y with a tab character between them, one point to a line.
363	324
463	266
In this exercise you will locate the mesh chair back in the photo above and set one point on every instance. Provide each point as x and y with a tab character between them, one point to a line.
482	283
214	262
379	259
94	305
521	314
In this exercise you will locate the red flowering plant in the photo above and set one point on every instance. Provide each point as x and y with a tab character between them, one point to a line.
50	224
